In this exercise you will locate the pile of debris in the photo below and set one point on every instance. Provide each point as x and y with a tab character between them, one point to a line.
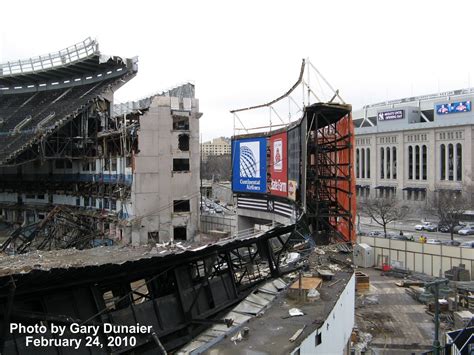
455	298
62	228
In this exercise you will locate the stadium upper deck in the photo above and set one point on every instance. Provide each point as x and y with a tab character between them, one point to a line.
41	94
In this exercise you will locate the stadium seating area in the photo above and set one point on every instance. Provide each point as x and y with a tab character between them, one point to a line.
22	116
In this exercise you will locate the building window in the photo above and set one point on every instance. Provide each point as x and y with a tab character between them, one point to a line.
450	162
114	163
179	233
180	164
180	123
442	155
382	163
357	163
183	142
368	162
363	162
417	162
410	162
394	162
459	162
387	157
181	206
424	156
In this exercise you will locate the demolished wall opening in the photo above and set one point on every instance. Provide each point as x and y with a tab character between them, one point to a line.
179	233
180	164
181	206
183	142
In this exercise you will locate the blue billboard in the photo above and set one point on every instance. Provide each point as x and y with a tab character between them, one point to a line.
453	107
249	165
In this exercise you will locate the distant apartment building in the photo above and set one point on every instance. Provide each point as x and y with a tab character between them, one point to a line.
412	147
218	146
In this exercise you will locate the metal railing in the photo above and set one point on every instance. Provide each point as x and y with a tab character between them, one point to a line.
63	57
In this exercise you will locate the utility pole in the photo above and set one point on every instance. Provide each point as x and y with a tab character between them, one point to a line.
435	287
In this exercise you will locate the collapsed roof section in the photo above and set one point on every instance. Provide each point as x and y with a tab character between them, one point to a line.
42	94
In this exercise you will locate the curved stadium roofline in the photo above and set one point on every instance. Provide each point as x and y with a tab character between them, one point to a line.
421	98
78	64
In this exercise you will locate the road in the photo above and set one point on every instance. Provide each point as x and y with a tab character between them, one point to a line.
409	227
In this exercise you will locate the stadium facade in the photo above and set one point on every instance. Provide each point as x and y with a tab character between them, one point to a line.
131	171
413	147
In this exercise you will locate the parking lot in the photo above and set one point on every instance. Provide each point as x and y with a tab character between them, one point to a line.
408	229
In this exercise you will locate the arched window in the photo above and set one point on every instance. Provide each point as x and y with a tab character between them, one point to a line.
459	162
417	162
410	162
388	162
394	162
442	158
424	155
368	162
450	162
362	162
357	163
382	163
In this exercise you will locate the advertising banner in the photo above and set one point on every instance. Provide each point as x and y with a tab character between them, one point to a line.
453	107
278	165
249	165
391	115
292	185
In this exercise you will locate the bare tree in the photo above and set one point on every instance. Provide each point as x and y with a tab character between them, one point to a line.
449	207
384	211
218	167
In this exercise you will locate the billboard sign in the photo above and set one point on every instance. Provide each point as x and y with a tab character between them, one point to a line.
453	107
391	115
292	185
278	165
249	166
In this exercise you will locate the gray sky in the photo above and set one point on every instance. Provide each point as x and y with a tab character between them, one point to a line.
241	53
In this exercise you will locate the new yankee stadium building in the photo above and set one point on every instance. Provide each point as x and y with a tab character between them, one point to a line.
412	147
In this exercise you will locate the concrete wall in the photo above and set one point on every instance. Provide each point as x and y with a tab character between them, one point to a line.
336	329
430	259
155	184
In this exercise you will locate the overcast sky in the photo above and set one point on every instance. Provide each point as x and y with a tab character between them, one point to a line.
241	53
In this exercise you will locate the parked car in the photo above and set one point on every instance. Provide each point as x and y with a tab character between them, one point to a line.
391	235
403	237
433	241
219	209
423	226
375	233
466	230
431	228
452	243
446	228
469	244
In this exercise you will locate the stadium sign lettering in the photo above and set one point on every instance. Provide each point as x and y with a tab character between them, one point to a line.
391	115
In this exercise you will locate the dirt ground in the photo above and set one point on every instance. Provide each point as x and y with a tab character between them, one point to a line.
397	323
